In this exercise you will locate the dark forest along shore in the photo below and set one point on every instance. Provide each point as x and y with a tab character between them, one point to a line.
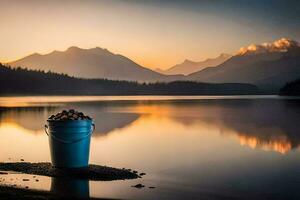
31	82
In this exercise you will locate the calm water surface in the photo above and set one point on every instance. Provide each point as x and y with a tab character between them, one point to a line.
243	147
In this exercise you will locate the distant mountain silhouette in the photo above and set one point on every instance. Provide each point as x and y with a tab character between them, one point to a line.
91	63
291	89
269	66
188	66
18	81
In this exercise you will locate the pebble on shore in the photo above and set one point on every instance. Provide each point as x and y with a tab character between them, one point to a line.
138	185
92	172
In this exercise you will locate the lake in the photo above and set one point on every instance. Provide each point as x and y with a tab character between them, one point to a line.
190	147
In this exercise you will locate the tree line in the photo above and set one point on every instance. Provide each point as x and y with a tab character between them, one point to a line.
22	81
291	89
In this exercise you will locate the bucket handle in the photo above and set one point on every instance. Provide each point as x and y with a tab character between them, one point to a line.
65	141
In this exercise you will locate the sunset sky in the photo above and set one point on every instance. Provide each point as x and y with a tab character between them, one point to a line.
156	34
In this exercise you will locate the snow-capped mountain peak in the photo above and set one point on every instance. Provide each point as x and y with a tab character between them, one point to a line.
281	45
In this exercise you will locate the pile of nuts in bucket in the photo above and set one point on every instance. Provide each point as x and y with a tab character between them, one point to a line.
69	115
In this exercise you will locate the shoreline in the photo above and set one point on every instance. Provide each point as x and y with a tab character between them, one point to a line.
92	172
61	187
8	192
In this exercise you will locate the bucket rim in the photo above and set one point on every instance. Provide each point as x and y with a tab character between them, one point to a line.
69	120
66	123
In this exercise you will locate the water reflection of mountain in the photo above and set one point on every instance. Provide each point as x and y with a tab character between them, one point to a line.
28	117
34	118
269	124
266	124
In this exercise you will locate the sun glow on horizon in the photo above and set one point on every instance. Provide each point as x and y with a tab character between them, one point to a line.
153	34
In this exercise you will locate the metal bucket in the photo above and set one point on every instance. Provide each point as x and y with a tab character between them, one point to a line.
69	142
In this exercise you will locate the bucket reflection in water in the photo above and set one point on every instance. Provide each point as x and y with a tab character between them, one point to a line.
78	188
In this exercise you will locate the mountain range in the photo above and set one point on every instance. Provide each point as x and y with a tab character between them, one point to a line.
91	63
267	65
270	66
187	66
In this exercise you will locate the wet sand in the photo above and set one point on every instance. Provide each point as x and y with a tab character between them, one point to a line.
7	192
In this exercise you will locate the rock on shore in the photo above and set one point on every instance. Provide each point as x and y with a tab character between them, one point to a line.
92	172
